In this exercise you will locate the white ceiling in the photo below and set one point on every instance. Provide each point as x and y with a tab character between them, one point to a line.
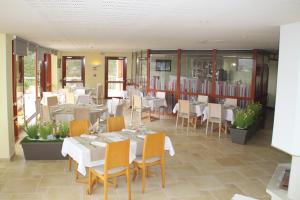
81	25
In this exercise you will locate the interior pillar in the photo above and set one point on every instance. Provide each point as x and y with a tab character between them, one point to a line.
7	144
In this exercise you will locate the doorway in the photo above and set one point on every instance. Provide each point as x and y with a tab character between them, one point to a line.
73	71
115	76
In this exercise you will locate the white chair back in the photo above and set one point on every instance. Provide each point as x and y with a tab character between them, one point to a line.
79	91
215	111
99	90
81	114
160	95
52	101
84	99
184	107
230	102
119	110
202	98
137	102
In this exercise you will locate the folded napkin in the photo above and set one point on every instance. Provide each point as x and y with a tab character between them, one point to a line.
97	143
129	130
88	136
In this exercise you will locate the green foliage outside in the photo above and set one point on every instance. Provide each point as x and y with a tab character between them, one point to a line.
244	118
32	131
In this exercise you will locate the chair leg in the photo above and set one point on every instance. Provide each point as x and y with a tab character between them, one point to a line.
136	170
195	123
182	122
70	163
226	127
76	172
115	180
149	115
128	184
206	130
188	124
212	127
105	188
90	182
131	116
220	126
143	178
163	178
177	120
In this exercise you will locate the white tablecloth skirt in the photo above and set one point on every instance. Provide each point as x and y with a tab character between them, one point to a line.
154	103
198	109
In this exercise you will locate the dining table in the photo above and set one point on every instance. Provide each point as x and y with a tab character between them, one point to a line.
88	150
195	107
65	112
154	102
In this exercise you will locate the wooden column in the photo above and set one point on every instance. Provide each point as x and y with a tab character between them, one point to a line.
214	72
253	81
148	71
178	74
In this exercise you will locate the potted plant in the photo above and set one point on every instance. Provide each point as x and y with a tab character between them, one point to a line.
63	130
41	143
246	123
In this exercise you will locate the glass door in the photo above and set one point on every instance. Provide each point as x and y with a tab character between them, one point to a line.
73	71
115	76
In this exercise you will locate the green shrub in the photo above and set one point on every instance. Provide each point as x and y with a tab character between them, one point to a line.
46	130
246	117
32	131
63	129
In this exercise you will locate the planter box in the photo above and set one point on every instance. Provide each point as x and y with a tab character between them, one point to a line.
41	150
241	136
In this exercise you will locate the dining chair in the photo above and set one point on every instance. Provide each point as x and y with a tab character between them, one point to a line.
98	97
215	115
153	155
119	109
230	102
52	101
115	124
114	103
202	98
160	95
138	107
79	91
84	99
70	98
116	164
77	128
184	112
82	113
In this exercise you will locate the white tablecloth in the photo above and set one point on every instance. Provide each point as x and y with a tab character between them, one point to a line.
82	155
154	103
197	108
112	105
228	113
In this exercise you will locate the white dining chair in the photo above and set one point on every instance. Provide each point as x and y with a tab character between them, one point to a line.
160	95
79	91
98	97
215	115
138	107
230	102
202	98
84	99
184	112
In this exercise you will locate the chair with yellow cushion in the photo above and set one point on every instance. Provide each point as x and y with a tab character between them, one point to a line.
77	128
116	164
115	124
153	154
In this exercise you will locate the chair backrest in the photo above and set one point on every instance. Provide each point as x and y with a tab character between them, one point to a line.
81	113
120	109
116	155
99	90
215	110
79	91
202	98
137	102
230	102
70	98
79	127
160	95
52	101
84	99
184	106
115	123
154	146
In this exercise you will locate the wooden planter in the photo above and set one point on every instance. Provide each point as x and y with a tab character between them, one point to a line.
41	150
241	136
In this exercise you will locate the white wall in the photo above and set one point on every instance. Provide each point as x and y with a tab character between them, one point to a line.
7	145
286	133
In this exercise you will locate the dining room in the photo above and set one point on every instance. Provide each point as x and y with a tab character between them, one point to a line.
149	100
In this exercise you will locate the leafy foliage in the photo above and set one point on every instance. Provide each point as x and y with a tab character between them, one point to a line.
32	131
246	117
63	129
46	130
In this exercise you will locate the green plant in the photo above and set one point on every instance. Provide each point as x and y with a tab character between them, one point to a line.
256	108
63	129
46	130
32	131
244	119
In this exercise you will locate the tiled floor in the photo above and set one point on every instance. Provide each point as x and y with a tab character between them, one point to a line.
202	168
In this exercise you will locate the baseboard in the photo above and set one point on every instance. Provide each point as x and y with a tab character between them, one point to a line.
8	159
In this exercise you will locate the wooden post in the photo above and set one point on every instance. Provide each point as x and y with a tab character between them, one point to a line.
178	74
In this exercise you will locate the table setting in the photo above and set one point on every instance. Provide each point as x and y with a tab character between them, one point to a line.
88	150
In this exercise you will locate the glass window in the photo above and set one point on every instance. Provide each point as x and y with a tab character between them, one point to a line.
195	73
163	70
234	73
73	69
